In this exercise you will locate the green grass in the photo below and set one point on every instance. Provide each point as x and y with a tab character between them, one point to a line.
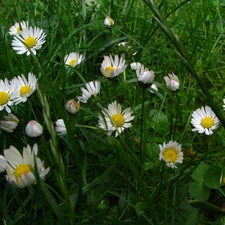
96	178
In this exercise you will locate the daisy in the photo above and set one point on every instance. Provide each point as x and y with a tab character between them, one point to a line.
108	21
135	65
23	87
72	106
171	153
113	119
204	120
9	123
30	40
60	127
73	59
153	86
18	27
6	95
172	82
112	67
144	75
33	129
93	88
20	168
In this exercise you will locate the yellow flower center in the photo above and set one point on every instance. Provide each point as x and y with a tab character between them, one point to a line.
109	69
25	90
4	97
118	119
207	122
170	155
20	170
30	42
72	62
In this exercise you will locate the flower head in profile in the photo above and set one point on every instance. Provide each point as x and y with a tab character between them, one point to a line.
172	82
144	75
24	87
113	67
73	59
19	168
18	27
30	40
72	106
108	21
204	120
171	153
93	88
33	129
9	123
114	119
6	95
60	127
135	65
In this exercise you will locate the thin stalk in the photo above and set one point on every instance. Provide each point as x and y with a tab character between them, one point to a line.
142	124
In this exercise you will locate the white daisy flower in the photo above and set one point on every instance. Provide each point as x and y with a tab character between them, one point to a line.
6	95
172	82
135	65
18	27
34	129
19	167
144	75
93	88
30	39
171	153
112	67
204	120
60	127
23	87
108	21
115	119
73	59
9	123
72	106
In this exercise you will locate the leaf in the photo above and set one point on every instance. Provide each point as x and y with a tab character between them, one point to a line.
200	171
198	190
212	179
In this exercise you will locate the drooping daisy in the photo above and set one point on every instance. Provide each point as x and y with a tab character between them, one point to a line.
112	67
20	168
6	95
144	75
172	82
33	129
30	39
93	88
60	127
113	119
72	106
18	27
23	87
171	153
108	21
204	120
73	59
9	123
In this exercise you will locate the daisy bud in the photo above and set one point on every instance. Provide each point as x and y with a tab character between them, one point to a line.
60	127
108	21
172	82
10	123
34	129
135	65
72	106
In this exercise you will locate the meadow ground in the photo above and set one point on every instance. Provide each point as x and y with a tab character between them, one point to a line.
112	112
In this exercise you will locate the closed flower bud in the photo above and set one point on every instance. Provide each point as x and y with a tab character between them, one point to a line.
34	129
172	82
72	106
9	123
108	21
60	127
135	65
